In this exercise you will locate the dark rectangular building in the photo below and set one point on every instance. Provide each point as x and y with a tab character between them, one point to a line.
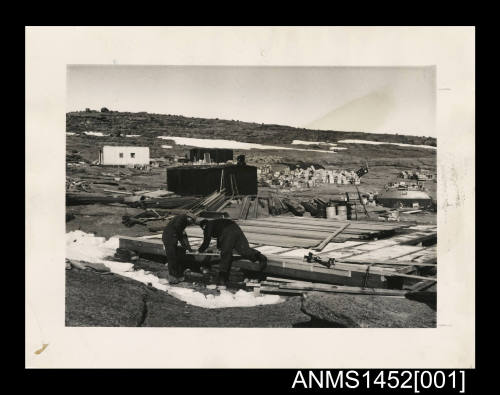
203	180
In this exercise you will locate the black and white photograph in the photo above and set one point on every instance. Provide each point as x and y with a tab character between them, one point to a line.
251	196
195	191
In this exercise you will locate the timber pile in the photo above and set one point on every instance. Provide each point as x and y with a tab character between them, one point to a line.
309	232
288	232
159	211
286	287
373	264
212	202
381	263
265	238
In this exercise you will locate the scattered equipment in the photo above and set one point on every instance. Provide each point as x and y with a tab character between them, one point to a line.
310	258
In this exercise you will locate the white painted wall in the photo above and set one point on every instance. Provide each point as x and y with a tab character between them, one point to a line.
113	155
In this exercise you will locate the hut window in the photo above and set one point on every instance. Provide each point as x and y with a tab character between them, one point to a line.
121	154
132	154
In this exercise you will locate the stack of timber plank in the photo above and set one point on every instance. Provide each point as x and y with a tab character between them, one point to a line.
363	225
287	287
308	232
377	263
211	202
367	272
194	206
265	239
276	266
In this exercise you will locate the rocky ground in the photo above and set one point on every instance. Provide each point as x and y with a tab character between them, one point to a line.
368	311
110	300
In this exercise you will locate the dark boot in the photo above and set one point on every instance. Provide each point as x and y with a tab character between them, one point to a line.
174	279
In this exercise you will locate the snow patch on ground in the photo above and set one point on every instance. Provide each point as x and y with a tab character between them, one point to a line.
87	247
166	146
353	141
99	134
301	142
232	144
70	134
132	135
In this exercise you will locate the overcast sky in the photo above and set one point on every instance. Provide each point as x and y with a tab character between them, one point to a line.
368	99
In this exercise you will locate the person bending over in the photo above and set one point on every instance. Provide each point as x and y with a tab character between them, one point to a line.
174	233
229	236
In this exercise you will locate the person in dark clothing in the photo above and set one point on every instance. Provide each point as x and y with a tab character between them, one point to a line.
174	233
229	236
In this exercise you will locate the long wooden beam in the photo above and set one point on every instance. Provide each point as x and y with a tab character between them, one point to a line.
309	286
330	238
353	267
390	262
310	272
343	289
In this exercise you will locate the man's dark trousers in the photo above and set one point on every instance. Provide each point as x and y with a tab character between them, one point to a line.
232	237
173	252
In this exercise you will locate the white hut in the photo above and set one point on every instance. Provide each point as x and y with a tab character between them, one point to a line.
123	156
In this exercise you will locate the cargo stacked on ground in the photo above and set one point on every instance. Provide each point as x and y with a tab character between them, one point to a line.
300	178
